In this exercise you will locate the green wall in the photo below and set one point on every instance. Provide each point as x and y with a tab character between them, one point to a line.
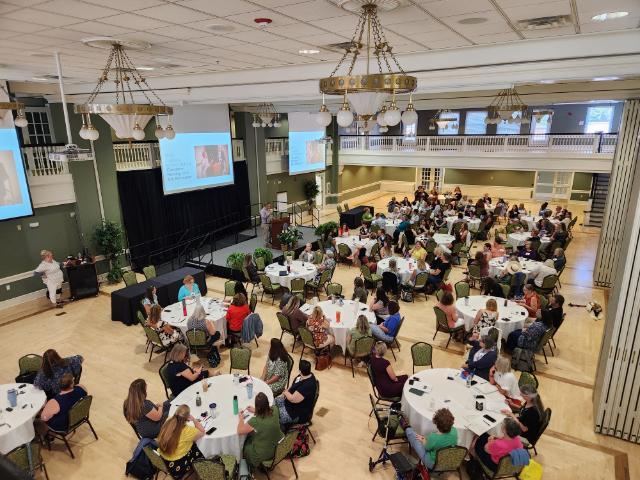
581	181
503	178
401	174
354	176
292	184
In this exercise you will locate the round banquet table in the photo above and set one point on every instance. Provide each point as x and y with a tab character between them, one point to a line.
517	239
496	265
405	267
349	313
531	220
224	440
390	226
216	312
440	392
443	238
472	223
16	427
353	242
515	313
299	269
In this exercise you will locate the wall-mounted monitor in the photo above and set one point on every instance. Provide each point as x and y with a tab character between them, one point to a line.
15	198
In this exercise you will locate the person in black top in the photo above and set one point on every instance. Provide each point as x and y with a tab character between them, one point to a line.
296	403
251	268
420	194
552	315
180	374
56	411
531	415
493	288
439	267
514	213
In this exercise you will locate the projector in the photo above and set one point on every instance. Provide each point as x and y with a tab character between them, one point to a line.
72	153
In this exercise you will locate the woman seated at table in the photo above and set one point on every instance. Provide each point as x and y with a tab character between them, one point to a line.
56	411
360	293
388	329
295	405
446	304
480	260
395	214
421	267
492	288
528	252
418	252
237	312
262	430
386	251
189	288
144	415
198	321
276	371
168	335
493	250
307	255
385	379
291	310
543	209
179	373
530	301
251	268
461	235
445	436
450	210
559	260
53	368
439	267
486	317
482	357
505	381
530	416
379	304
366	215
362	329
529	336
512	267
514	214
150	299
177	442
393	203
438	221
328	263
489	449
559	234
364	229
319	327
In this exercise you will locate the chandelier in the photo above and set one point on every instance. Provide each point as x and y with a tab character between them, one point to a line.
20	120
266	115
444	119
508	107
365	94
127	118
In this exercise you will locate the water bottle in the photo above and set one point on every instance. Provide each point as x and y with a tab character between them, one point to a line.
466	301
235	405
198	399
469	378
12	397
505	302
184	307
212	410
249	390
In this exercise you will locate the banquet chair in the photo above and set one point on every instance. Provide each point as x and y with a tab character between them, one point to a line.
307	342
197	339
318	257
20	457
420	285
544	340
444	229
333	289
253	302
261	264
379	398
344	252
240	359
229	289
553	335
371	280
142	322
129	278
544	301
346	207
149	272
390	283
157	461
527	378
395	434
505	469
286	327
339	209
506	289
517	282
463	289
449	459
248	280
445	277
220	467
316	285
268	287
531	445
78	416
395	339
164	376
421	355
375	249
549	284
305	426
363	348
474	275
155	342
439	293
290	363
282	450
28	366
443	326
297	286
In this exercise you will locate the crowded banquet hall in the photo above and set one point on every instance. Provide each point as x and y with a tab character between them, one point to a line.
322	239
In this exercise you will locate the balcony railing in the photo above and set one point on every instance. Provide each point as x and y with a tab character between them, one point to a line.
238	150
136	156
37	163
584	144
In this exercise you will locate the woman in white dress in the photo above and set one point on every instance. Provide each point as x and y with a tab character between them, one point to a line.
51	275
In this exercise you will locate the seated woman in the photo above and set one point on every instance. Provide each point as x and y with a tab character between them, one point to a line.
462	234
514	213
439	221
150	299
56	411
505	381
528	252
251	268
560	233
529	417
292	311
393	203
512	267
388	329
379	304
318	325
177	442
395	214
486	317
362	329
53	368
188	289
386	251
276	371
366	216
530	301
180	374
307	255
481	261
237	312
364	229
446	304
529	336
262	430
359	292
543	209
169	336
489	449
481	357
439	267
295	405
492	288
421	267
198	321
418	252
423	227
445	436
145	416
385	379
559	260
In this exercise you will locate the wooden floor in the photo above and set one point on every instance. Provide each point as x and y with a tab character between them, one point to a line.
114	356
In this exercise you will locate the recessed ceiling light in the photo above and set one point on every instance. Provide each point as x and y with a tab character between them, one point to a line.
221	27
547	81
609	16
605	79
146	69
472	20
39	79
308	51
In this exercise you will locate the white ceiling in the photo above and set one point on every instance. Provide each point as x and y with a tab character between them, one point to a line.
31	30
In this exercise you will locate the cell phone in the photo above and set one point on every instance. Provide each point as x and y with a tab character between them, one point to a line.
22	386
449	378
213	429
479	397
243	379
411	381
9	409
490	418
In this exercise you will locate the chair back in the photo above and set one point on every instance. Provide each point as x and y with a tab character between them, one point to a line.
390	282
343	251
325	276
545	423
334	289
527	378
317	260
156	460
240	359
210	468
283	447
462	289
129	278
421	280
447	272
260	263
474	271
449	459
196	338
381	422
549	282
20	456
152	336
266	283
366	273
544	302
297	285
363	346
544	339
441	319
164	376
439	294
506	289
430	246
421	354
29	363
253	302
346	206
307	337
149	272
140	317
339	208
444	229
285	324
375	249
229	288
79	412
494	334
506	469
245	273
290	363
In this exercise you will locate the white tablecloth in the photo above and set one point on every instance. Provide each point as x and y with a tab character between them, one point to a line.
216	312
17	425
531	220
298	270
518	239
514	312
496	265
443	238
405	268
472	223
453	395
349	313
221	391
353	241
390	226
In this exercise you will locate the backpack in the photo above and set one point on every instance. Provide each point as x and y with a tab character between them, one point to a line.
522	360
213	357
406	295
140	466
301	444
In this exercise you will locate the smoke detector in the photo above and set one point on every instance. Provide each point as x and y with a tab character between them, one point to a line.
541	23
263	22
383	5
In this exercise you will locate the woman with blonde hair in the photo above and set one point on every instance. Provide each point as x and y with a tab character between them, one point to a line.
318	324
144	415
51	274
176	442
168	335
362	329
505	381
486	317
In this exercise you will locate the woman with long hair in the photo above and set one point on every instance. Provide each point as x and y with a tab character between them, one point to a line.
530	416
276	370
177	442
53	368
379	304
237	312
263	431
486	317
362	329
150	299
168	335
297	317
181	375
318	325
144	415
251	268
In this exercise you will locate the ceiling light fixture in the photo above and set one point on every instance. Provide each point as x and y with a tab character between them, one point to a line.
547	82
608	16
308	51
605	79
266	115
472	21
145	69
40	79
20	120
125	116
443	119
507	107
367	92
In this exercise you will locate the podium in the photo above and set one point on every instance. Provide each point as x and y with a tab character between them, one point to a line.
277	225
83	280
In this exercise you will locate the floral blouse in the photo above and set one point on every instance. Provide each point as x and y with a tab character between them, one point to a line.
318	329
167	339
51	385
279	368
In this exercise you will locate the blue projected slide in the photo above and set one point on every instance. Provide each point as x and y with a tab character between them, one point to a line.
306	152
192	161
15	200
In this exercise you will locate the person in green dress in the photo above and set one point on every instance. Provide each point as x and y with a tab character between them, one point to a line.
360	330
276	371
366	216
263	431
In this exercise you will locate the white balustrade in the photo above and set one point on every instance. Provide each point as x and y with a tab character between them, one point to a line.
136	156
37	163
238	150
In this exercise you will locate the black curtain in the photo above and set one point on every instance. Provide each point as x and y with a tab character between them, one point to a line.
155	222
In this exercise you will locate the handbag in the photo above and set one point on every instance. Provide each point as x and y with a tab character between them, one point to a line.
522	360
213	357
323	361
301	443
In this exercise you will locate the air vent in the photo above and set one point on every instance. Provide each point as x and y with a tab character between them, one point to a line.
339	47
383	5
542	23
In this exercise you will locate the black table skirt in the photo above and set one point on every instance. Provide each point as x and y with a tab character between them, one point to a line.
126	302
353	217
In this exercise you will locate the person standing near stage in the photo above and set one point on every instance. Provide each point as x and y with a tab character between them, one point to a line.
265	222
51	275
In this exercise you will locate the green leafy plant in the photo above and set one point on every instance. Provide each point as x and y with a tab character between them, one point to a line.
325	229
289	236
235	260
109	238
264	253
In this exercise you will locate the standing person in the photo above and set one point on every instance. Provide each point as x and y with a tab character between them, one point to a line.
266	214
51	275
177	442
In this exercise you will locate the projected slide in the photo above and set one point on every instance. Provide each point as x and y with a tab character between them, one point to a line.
15	200
306	150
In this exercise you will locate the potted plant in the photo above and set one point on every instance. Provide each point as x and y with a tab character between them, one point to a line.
289	238
311	190
325	229
235	262
109	238
264	253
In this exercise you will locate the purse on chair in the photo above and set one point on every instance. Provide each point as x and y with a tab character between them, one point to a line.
323	361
